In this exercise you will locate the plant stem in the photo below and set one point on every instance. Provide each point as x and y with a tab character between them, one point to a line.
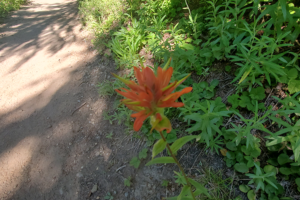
178	164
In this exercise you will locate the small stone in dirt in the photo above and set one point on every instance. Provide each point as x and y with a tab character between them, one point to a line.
126	194
149	185
94	189
70	143
79	175
115	192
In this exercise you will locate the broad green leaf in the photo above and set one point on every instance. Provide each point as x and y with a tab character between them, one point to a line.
258	93
161	160
273	161
292	74
234	100
214	83
294	86
251	195
182	141
135	162
244	188
270	168
285	171
231	146
158	147
239	156
203	84
230	155
283	158
241	167
143	153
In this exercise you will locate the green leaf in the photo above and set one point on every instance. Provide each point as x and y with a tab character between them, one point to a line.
165	183
203	84
285	171
143	153
283	158
239	156
294	86
158	147
200	189
297	181
234	100
228	68
251	195
135	162
270	168
244	188
246	102
231	146
230	155
229	162
292	74
161	160
214	83
258	93
273	161
127	181
182	141
241	167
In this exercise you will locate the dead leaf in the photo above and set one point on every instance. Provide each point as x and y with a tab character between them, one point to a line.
223	152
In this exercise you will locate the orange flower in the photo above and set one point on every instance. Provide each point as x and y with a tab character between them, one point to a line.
150	95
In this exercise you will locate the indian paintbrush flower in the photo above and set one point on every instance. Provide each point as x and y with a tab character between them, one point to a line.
150	95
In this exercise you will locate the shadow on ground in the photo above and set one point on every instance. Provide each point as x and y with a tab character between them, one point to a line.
22	28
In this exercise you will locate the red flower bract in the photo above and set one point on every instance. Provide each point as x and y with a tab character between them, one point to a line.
150	95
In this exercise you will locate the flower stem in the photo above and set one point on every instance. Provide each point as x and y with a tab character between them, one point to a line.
178	164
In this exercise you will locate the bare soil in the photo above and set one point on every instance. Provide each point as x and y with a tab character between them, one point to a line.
53	142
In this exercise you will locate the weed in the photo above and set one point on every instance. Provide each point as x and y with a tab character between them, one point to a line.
9	5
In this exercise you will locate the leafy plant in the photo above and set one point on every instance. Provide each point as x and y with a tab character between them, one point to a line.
208	120
108	196
127	181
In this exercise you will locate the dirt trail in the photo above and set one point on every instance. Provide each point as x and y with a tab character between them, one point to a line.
50	149
53	142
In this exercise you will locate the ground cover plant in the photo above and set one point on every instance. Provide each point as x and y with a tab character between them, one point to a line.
9	5
255	125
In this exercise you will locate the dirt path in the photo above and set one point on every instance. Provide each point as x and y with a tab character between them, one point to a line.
49	149
53	142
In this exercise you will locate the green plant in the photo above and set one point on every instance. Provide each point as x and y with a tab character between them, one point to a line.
109	136
9	5
108	196
218	186
266	180
208	120
248	99
127	181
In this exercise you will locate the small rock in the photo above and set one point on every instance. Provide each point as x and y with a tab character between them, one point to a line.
94	189
126	194
149	185
79	175
70	143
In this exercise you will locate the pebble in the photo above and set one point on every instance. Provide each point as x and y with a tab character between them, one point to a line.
115	192
126	194
79	175
94	189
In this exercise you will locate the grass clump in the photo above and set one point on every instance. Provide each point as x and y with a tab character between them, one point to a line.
9	5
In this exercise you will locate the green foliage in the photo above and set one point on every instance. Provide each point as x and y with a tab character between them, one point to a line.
9	5
143	154
248	100
127	181
135	162
108	196
208	120
99	15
